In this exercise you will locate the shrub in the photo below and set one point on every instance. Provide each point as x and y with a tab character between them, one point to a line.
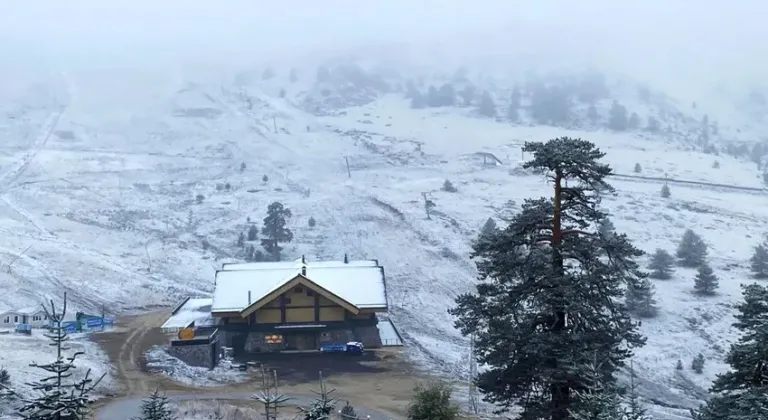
432	402
448	186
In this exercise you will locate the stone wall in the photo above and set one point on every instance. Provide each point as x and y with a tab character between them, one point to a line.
369	336
196	355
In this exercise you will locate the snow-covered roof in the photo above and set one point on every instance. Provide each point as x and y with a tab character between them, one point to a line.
192	310
362	286
297	264
30	310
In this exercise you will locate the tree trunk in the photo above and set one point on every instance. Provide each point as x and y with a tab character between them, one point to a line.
560	392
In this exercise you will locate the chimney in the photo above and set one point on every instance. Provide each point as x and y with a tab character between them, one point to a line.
303	270
249	298
346	259
303	260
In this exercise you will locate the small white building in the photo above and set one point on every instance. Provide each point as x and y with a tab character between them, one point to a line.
34	316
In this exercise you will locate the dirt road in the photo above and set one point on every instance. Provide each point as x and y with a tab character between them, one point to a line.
386	388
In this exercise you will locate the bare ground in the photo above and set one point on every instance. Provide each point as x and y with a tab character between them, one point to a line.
383	383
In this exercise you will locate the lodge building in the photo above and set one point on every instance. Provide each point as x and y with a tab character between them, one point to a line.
294	305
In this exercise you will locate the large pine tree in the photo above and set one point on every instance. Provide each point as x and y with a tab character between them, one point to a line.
740	393
706	282
548	301
275	230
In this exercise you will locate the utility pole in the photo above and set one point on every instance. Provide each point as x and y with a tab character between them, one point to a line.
349	173
473	400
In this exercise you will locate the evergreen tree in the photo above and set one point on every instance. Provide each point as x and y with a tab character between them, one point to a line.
489	228
716	165
447	95
323	405
740	392
679	365
597	400
265	179
759	262
433	97
487	107
692	250
513	110
241	240
617	119
253	233
275	230
311	222
267	74
697	364
448	186
640	299
59	400
242	167
156	407
634	410
605	227
432	402
530	286
638	168
661	265
665	191
706	282
348	412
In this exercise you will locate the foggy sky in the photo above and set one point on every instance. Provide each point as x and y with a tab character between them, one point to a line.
704	39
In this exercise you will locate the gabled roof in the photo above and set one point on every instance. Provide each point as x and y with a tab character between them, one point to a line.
363	287
299	279
30	310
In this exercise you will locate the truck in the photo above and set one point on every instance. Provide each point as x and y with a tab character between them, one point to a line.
352	347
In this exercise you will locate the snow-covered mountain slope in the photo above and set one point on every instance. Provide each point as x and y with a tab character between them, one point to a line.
131	194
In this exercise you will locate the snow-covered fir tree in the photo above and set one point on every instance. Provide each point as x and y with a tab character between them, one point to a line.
759	262
605	227
156	407
60	397
489	227
706	282
640	299
665	193
487	107
531	299
662	265
692	251
742	392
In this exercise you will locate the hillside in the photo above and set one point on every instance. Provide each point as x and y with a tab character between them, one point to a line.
131	194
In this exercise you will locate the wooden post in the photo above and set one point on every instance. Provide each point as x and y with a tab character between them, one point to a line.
274	123
349	173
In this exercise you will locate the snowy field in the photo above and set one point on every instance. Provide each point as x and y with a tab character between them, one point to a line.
17	351
101	180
